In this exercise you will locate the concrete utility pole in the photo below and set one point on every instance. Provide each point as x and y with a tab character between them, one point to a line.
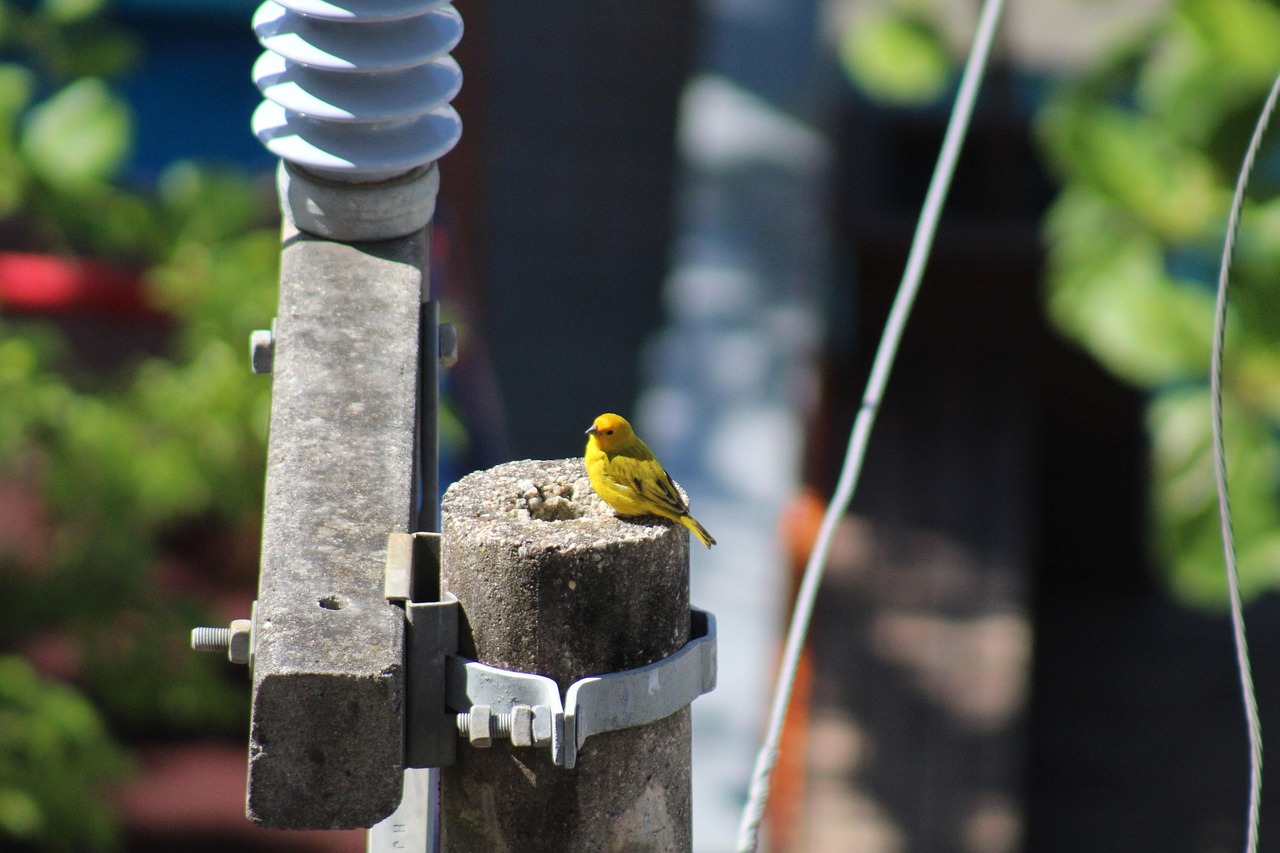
326	736
550	582
356	105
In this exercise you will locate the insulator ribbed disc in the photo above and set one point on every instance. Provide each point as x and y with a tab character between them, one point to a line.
388	96
364	10
357	90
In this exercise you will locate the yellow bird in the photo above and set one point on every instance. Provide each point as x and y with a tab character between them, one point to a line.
629	478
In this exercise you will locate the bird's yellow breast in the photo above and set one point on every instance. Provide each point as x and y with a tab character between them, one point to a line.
610	476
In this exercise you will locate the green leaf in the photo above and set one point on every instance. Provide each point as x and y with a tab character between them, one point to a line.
1244	33
1192	90
69	11
16	86
900	59
1138	162
1108	290
20	815
1185	501
56	761
78	138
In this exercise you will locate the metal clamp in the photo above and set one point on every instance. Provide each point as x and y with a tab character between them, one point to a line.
527	708
483	703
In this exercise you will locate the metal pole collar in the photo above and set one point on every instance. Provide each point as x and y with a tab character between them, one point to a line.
526	708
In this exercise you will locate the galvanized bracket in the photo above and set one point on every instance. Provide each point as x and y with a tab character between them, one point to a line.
489	703
620	700
430	738
527	708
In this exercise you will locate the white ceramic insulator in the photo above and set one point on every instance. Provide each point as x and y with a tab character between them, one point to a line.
357	91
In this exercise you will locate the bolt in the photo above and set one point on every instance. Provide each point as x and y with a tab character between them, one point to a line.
476	725
448	345
482	726
521	726
240	647
236	641
210	639
262	350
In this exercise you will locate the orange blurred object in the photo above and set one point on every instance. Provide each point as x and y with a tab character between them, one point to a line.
784	811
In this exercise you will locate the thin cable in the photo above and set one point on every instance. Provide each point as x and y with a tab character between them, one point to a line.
921	244
1220	473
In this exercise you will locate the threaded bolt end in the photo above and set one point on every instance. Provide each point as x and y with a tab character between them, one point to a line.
481	726
211	639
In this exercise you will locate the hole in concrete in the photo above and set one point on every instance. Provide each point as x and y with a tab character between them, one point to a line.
332	602
549	501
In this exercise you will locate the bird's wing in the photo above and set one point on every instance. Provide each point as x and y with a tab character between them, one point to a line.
654	484
637	470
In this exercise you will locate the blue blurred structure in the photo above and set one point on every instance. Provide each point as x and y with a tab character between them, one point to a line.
575	123
732	378
191	94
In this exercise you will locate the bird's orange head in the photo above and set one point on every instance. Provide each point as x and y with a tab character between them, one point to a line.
611	432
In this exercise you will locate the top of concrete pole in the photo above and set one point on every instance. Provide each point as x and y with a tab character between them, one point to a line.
550	559
516	500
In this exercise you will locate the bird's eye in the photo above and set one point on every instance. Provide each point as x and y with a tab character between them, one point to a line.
608	432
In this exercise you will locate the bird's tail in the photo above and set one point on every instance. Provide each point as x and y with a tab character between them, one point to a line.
698	530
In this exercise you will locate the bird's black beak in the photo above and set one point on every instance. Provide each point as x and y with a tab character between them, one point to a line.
592	430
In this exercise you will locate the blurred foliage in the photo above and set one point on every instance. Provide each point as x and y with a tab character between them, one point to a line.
1147	146
127	461
899	58
50	725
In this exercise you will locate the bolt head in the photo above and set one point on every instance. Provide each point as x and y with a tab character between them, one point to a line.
544	721
241	648
478	726
522	726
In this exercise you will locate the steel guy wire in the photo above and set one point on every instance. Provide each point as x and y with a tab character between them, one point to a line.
1220	472
921	244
